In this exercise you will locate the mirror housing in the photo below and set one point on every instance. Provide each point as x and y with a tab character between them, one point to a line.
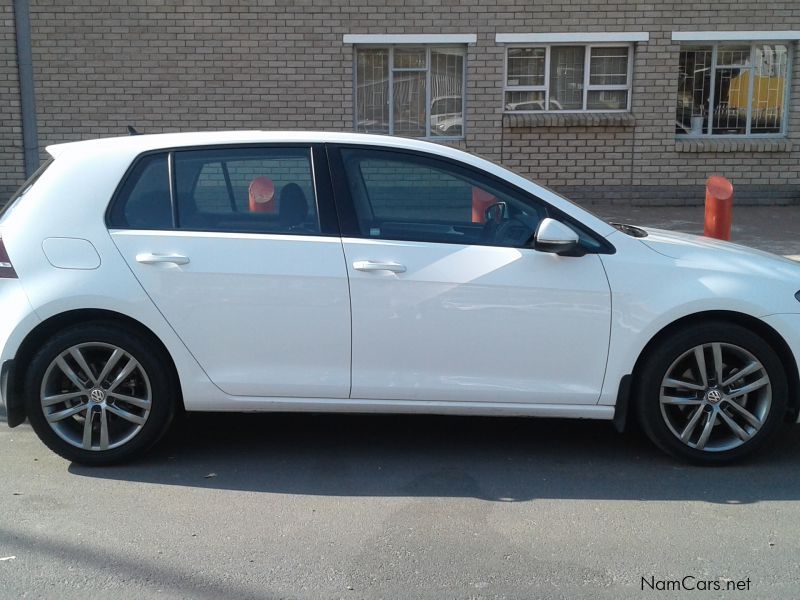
555	237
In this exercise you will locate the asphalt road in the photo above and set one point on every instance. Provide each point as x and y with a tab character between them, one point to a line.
336	506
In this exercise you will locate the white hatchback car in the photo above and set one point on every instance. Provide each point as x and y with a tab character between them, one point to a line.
255	271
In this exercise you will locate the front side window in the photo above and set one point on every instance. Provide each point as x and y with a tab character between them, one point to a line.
257	190
408	197
732	89
412	91
568	78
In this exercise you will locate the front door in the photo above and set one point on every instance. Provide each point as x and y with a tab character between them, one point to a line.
449	301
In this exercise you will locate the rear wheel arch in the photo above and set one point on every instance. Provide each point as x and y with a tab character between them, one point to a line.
47	328
755	325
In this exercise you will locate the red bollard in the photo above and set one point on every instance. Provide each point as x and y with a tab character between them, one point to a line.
261	195
719	208
481	200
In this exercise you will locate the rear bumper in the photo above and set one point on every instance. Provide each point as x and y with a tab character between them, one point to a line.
17	319
11	405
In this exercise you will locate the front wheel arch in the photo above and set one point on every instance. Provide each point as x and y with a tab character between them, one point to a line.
757	326
47	328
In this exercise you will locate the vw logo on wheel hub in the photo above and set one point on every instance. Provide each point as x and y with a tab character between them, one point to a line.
714	396
97	395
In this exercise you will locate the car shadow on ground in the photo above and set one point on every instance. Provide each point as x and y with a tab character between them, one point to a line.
496	459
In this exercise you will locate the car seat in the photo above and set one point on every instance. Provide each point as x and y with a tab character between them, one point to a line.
293	207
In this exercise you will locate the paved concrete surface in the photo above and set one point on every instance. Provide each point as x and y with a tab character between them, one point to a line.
317	507
323	506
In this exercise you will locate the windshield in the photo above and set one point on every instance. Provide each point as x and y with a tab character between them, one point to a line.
25	187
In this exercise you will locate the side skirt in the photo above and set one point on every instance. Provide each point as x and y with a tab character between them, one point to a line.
338	405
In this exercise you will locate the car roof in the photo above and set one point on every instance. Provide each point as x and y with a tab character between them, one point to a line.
143	143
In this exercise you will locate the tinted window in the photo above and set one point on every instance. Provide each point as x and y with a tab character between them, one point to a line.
260	190
143	201
408	197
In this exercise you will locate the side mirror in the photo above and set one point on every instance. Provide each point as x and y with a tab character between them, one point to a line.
555	237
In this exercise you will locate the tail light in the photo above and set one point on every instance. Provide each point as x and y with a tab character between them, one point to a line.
6	268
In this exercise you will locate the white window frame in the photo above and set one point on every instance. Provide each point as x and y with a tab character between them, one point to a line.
427	69
586	75
715	45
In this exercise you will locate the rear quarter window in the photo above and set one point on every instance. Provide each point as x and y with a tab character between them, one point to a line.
25	187
143	200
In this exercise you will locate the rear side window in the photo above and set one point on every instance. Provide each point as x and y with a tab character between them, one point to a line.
25	188
143	201
256	190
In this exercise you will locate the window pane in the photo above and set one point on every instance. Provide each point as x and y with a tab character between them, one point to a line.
144	200
521	101
414	199
566	77
609	66
526	66
447	92
733	56
261	190
694	90
607	100
409	58
372	91
409	103
730	101
769	88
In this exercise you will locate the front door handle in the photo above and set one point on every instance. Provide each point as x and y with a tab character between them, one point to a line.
151	259
373	265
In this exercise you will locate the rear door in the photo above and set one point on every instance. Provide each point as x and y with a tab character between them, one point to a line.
239	248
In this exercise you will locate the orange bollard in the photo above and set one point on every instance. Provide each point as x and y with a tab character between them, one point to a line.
719	208
261	195
481	200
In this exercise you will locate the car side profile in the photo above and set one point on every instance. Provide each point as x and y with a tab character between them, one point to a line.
332	272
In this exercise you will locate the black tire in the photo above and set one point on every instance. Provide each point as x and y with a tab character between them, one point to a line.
163	393
654	421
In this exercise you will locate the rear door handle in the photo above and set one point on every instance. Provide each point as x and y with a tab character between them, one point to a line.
151	259
373	265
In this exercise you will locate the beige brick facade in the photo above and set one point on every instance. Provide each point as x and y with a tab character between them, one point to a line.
181	65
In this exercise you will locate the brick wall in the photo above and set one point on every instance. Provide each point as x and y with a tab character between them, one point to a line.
179	65
11	159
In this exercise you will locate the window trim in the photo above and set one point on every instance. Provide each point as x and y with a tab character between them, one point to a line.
573	38
427	69
586	75
715	45
436	39
735	36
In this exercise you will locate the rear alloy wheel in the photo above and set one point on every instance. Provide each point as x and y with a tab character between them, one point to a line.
721	392
97	394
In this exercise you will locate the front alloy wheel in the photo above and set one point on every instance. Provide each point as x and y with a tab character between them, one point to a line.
715	397
712	393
